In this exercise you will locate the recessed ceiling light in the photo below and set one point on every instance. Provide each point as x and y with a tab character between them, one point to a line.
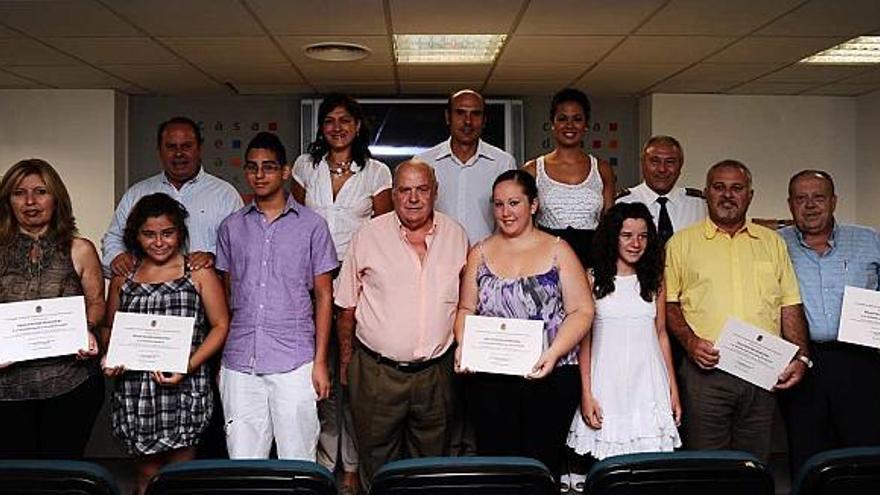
335	51
447	48
864	50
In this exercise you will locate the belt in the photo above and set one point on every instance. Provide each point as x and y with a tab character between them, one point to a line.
404	366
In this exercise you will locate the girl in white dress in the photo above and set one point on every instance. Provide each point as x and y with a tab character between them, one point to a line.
629	399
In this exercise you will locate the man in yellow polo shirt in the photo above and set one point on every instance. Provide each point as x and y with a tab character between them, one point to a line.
726	267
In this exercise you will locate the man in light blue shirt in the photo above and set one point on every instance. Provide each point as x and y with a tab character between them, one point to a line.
838	402
466	166
207	198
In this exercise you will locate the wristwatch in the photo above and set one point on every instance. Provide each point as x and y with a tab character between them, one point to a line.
805	360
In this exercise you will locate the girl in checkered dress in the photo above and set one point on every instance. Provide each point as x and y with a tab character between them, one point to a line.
158	416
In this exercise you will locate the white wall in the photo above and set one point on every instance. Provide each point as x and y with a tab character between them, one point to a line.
868	159
775	136
77	131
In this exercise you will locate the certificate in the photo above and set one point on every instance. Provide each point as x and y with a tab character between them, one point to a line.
752	354
860	317
143	342
501	345
42	328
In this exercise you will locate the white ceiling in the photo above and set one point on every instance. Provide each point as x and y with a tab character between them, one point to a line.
607	47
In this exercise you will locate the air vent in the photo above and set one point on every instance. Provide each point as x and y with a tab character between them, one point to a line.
336	51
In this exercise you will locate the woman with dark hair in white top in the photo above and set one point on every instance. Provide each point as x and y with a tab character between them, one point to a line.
574	188
338	179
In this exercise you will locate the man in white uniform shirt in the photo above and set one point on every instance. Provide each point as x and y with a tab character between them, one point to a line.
466	166
662	159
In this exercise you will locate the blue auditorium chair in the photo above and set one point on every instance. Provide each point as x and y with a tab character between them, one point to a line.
695	472
852	471
46	477
464	476
227	477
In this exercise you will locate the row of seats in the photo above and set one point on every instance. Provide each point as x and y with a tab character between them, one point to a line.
845	472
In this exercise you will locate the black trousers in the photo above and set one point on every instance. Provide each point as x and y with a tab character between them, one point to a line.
54	428
513	416
580	240
836	405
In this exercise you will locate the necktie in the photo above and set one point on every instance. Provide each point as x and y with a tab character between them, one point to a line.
664	224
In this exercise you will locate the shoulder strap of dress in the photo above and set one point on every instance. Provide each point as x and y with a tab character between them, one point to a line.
539	166
555	251
482	253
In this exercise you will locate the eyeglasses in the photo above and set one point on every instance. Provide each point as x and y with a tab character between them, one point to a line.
268	168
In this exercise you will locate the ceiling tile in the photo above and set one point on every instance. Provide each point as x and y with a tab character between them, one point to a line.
354	71
272	89
538	72
436	87
25	51
447	16
189	18
321	17
378	46
766	88
71	77
715	17
666	49
226	51
844	89
723	73
11	81
107	51
259	74
828	18
580	17
557	49
167	79
801	73
869	77
64	18
357	88
674	86
530	87
769	50
625	78
443	72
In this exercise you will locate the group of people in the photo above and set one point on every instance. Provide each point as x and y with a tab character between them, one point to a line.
338	304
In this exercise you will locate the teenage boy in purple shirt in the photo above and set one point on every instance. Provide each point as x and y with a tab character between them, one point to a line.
272	252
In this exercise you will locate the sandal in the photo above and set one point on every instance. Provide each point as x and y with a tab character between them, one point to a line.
578	482
564	483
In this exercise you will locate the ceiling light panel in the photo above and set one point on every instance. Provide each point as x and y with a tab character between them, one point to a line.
864	50
447	48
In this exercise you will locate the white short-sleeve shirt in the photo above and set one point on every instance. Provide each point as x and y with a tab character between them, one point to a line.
354	202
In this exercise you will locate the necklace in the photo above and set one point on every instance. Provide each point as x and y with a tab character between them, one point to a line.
339	169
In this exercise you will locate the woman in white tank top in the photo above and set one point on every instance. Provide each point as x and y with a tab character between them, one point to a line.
574	188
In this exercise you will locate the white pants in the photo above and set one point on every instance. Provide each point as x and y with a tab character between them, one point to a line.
259	408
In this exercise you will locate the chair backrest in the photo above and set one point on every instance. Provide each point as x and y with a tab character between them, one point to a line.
47	477
465	476
853	471
266	477
682	473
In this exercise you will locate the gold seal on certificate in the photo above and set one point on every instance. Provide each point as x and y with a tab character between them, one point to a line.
42	328
143	342
501	345
747	352
860	317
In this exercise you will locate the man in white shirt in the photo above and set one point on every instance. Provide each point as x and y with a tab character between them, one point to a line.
207	198
466	166
662	159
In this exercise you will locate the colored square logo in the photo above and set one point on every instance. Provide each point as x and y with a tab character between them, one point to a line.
612	144
236	144
273	126
612	126
597	144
